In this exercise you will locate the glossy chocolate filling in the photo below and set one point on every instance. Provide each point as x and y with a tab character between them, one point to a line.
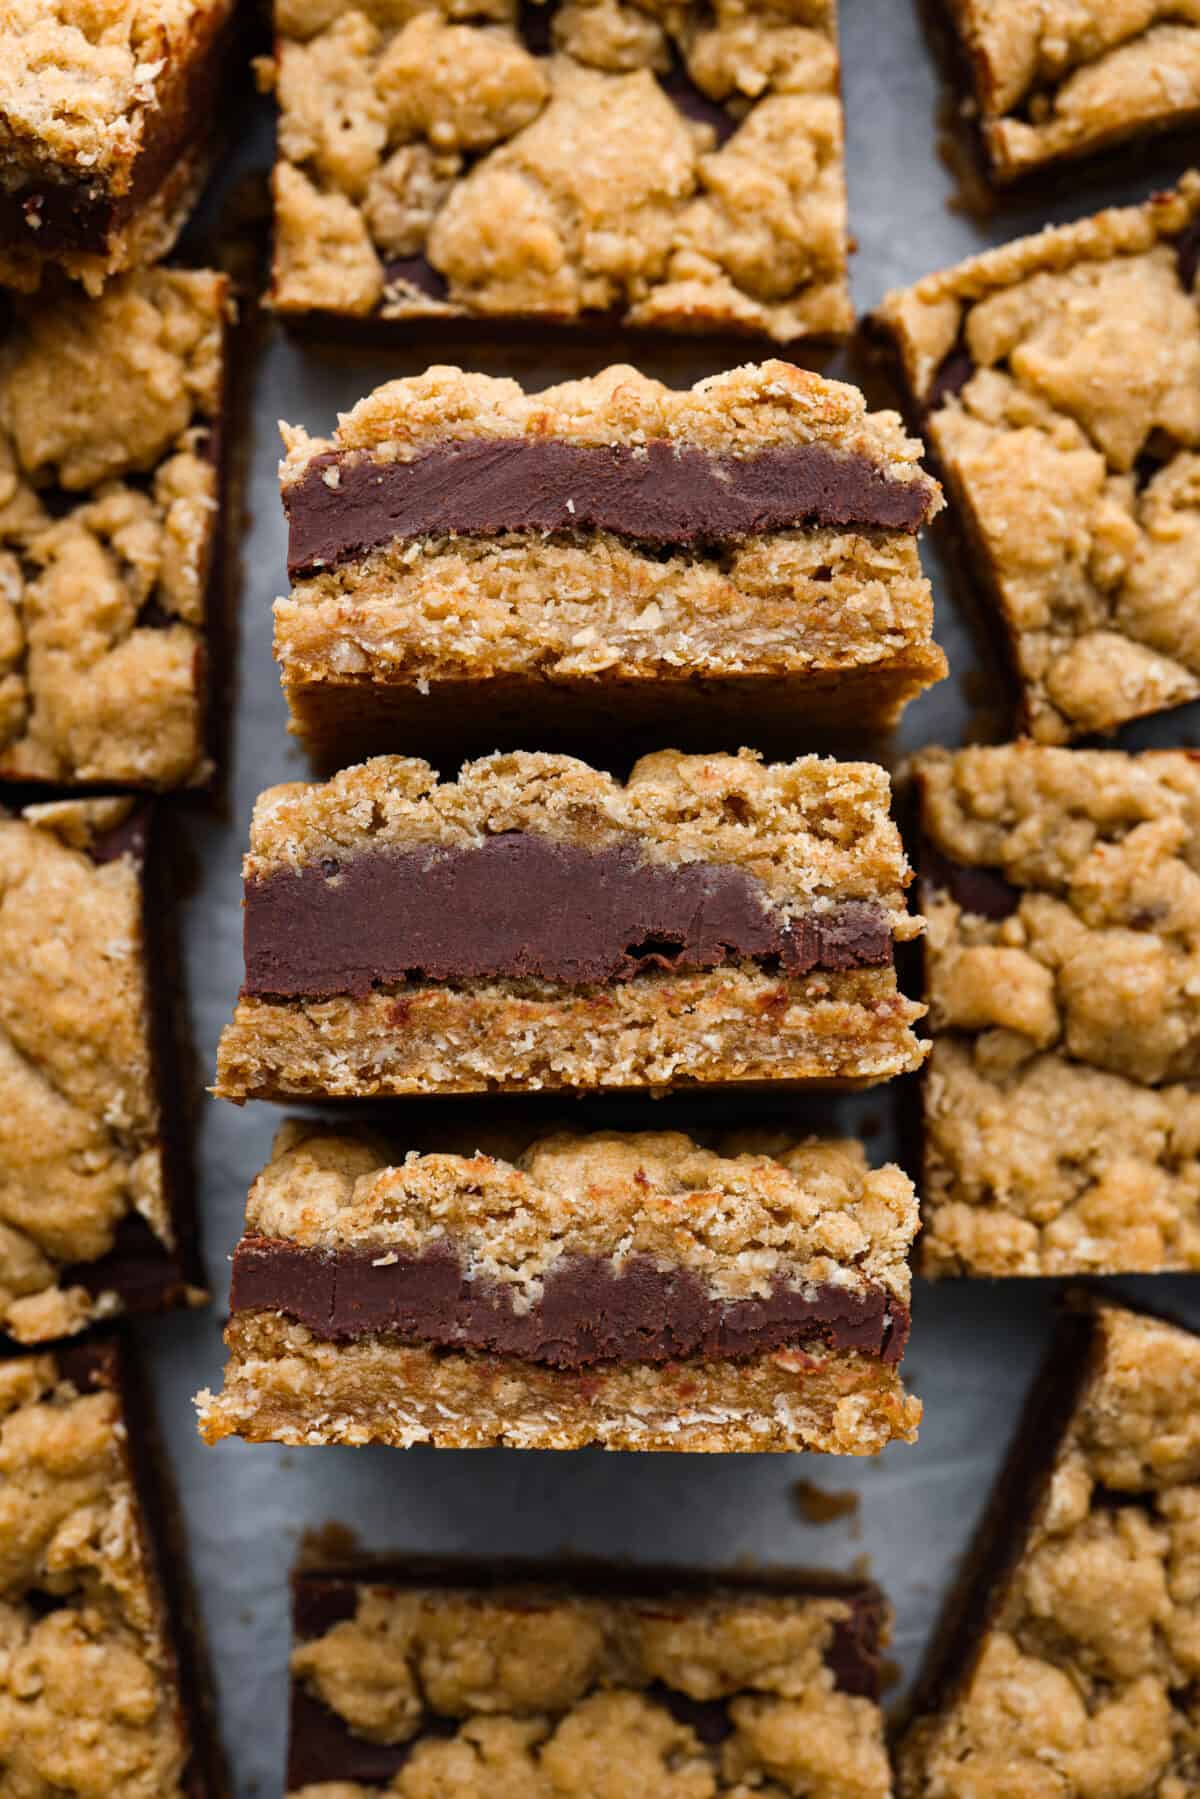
522	906
660	494
322	1746
591	1310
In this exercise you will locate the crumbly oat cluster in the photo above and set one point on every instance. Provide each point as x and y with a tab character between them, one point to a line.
1084	1682
739	1218
1066	77
571	1704
79	1125
431	163
92	92
1058	1136
808	830
88	1701
741	410
108	506
1059	379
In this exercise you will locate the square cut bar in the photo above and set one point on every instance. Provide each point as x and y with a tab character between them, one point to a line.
535	924
103	1687
1057	381
633	1290
112	478
539	1682
95	1200
106	122
461	549
1067	1662
680	170
1066	78
1062	1120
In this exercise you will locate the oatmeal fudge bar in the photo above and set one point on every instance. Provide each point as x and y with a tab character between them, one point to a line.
1064	78
95	1207
102	1684
1068	1661
585	1682
537	924
635	1290
1062	1120
111	543
676	168
1058	383
464	549
106	121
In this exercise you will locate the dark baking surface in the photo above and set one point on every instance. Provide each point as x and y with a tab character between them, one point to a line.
975	1345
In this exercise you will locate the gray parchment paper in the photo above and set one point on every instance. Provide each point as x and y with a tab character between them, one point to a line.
974	1346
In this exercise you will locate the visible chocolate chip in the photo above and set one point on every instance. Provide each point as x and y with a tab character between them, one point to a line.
1187	255
985	892
330	866
951	377
824	573
709	1718
694	103
418	272
533	27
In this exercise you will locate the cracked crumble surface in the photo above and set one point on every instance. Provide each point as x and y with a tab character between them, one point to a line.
739	1217
88	1702
743	409
1059	379
106	407
1061	78
431	164
79	1147
1063	1003
809	830
564	1709
1085	1682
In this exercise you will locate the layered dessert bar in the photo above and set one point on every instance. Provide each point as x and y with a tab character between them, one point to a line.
102	1684
1065	78
1062	1120
1067	1661
1057	380
95	1206
537	924
481	1682
112	459
664	167
635	1290
106	121
460	550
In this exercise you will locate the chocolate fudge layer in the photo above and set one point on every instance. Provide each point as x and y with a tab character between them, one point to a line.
633	1290
537	924
1066	78
1075	489
608	542
106	119
549	1684
111	488
600	159
1062	1134
102	1686
1067	1662
95	1208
